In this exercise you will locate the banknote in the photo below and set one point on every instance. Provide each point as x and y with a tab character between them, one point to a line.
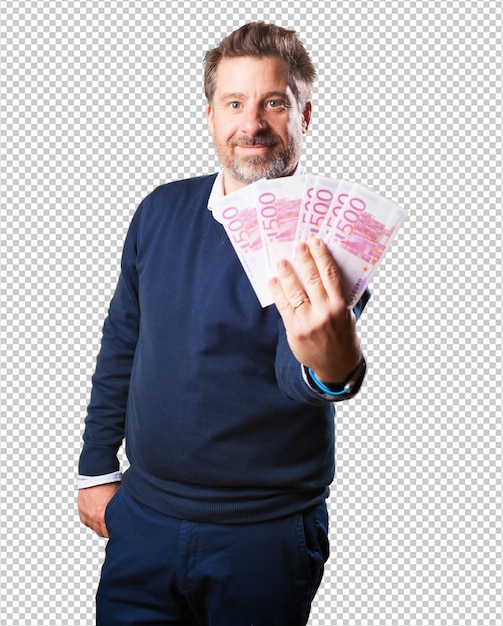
338	200
238	214
359	234
324	195
264	220
305	205
278	207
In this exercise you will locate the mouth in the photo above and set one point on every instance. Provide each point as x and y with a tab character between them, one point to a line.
255	143
254	148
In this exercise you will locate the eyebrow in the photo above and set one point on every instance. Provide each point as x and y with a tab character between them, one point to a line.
236	95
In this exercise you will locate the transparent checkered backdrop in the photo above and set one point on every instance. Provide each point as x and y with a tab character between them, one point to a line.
103	101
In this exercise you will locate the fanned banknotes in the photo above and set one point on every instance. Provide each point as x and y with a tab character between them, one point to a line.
265	219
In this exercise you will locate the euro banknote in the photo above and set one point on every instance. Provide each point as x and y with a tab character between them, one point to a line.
238	214
265	219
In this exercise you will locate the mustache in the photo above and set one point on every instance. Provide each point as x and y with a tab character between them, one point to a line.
259	140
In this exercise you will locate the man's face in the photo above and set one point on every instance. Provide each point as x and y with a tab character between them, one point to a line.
255	120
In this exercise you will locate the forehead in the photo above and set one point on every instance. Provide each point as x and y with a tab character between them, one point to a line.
250	75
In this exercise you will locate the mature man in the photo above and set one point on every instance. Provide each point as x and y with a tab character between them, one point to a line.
226	407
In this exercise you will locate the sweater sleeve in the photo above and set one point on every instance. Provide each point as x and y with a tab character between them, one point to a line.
105	420
289	372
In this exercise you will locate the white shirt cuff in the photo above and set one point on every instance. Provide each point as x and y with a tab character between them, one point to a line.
92	481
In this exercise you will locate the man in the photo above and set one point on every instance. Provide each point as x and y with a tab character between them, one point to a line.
226	407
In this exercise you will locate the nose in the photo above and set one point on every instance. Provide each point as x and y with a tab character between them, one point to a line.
253	121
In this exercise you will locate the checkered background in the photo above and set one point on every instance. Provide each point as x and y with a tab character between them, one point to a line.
103	101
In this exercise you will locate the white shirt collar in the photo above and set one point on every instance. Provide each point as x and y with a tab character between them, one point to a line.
217	191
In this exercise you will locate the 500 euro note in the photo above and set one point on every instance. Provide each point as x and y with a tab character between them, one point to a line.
320	193
278	208
305	206
238	214
340	194
359	230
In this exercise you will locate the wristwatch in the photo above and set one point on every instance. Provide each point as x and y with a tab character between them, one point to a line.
345	390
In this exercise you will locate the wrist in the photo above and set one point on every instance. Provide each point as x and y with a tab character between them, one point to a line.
345	389
336	376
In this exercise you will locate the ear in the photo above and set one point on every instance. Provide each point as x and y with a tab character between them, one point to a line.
209	117
306	117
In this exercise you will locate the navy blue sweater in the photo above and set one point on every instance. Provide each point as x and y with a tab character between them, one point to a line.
220	425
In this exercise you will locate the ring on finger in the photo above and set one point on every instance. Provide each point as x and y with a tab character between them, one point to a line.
299	303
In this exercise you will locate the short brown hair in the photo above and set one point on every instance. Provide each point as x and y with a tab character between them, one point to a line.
258	39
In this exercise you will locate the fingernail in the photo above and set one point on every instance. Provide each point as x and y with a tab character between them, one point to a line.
316	241
301	246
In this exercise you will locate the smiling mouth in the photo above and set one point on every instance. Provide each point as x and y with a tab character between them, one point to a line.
255	142
255	147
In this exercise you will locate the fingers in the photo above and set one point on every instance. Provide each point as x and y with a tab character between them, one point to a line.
317	283
97	524
287	290
319	272
92	503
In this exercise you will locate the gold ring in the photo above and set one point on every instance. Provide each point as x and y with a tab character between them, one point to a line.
300	303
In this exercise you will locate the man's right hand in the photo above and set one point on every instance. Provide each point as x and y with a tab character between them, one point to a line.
92	502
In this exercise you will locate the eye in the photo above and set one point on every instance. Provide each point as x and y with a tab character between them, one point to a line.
277	104
234	106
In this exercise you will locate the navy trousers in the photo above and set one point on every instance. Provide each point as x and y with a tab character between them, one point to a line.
160	570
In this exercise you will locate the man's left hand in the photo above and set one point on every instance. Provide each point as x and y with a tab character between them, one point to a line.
320	327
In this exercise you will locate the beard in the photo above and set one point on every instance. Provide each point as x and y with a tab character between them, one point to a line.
250	169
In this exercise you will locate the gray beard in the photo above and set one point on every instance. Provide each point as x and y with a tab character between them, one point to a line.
256	167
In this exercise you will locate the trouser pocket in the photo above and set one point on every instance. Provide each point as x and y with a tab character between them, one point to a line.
109	509
314	542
